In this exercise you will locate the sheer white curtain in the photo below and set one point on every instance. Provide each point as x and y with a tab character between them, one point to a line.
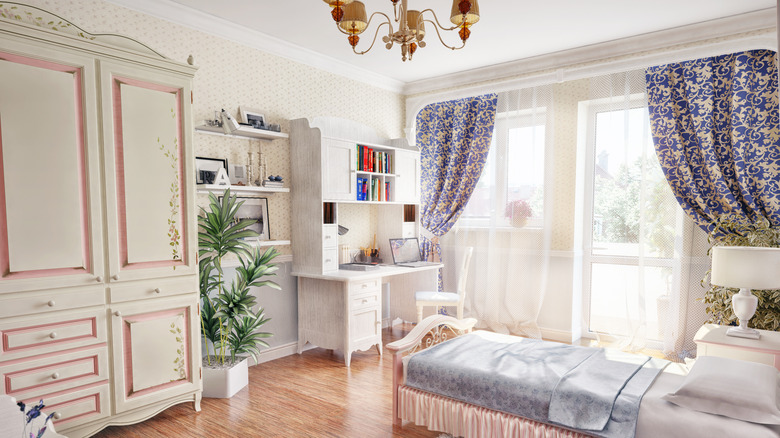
508	220
638	245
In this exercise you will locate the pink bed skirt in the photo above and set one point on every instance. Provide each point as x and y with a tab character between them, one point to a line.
462	419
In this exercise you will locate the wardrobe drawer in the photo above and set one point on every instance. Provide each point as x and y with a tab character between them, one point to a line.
52	301
330	236
330	259
22	337
364	300
67	370
77	407
153	289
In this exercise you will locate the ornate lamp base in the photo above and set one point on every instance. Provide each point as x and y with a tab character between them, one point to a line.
744	304
743	333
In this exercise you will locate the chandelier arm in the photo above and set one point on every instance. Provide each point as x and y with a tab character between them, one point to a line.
369	23
436	28
374	40
436	24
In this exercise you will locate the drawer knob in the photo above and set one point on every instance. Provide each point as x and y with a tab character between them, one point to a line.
117	313
57	415
50	303
53	335
365	301
327	260
157	290
327	236
55	376
364	286
115	276
99	279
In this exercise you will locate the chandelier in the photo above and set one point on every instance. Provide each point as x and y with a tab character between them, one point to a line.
350	17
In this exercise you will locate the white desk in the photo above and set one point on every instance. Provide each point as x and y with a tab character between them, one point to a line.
342	310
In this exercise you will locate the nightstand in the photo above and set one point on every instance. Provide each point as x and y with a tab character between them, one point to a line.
711	340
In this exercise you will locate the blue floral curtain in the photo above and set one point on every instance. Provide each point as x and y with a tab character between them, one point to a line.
715	128
454	138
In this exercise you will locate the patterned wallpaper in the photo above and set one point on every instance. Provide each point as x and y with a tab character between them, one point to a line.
232	75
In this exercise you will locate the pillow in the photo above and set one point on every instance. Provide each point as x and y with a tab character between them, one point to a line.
732	388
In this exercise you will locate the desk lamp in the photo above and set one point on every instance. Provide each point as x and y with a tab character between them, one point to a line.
745	267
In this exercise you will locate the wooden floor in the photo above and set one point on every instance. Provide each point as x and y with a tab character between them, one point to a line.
308	395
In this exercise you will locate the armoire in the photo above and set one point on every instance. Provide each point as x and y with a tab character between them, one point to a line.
99	311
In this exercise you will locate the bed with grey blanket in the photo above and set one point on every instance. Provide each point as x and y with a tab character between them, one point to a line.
592	390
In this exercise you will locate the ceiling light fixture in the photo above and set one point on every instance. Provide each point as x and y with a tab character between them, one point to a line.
350	17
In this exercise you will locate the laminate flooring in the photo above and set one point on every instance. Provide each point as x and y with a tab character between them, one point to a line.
308	395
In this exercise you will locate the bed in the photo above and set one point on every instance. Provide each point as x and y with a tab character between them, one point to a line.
714	397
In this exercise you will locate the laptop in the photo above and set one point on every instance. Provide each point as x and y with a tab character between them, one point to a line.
406	252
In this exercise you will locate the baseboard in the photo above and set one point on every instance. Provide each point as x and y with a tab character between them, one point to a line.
555	335
277	352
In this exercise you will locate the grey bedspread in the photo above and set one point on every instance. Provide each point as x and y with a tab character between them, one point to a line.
593	390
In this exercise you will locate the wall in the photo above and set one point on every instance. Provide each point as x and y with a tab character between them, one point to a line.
230	75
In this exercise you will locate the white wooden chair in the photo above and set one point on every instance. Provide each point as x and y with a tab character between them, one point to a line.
427	298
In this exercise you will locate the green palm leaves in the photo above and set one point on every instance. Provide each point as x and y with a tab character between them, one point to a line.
227	316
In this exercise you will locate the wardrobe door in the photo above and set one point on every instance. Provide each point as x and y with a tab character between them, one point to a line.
50	223
157	347
148	162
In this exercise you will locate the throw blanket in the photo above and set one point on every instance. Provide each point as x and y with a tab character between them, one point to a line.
593	390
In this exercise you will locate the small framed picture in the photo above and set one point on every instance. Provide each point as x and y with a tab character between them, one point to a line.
253	117
206	169
256	209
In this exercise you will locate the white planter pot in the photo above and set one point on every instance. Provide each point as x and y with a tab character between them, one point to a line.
225	382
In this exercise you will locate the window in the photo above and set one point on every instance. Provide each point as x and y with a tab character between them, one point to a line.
514	170
631	220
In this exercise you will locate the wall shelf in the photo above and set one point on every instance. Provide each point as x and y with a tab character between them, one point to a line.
243	132
244	190
262	243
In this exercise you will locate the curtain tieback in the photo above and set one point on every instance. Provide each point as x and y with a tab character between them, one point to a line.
424	233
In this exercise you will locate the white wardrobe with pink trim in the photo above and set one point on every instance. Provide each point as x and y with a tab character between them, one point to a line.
98	265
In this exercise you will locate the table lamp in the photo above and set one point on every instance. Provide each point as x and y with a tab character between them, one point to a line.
745	267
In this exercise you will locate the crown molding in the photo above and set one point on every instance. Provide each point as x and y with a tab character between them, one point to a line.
737	24
194	19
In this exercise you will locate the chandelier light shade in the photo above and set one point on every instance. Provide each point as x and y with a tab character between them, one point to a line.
407	28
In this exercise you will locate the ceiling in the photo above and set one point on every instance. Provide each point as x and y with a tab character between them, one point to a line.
508	29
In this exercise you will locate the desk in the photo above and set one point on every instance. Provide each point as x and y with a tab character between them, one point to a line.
342	310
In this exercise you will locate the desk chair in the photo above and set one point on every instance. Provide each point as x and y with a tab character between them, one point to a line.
425	298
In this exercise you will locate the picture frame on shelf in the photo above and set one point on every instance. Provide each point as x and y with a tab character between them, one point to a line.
206	169
253	117
257	209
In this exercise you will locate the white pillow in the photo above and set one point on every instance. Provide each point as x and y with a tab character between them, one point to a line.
733	388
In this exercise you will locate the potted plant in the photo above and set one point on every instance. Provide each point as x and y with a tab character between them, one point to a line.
518	212
229	325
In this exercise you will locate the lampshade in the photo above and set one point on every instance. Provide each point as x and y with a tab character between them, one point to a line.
746	267
472	16
413	20
355	19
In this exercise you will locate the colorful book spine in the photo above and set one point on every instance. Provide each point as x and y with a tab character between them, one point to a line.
387	191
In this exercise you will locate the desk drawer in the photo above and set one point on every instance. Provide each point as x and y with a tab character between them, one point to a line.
153	289
363	301
330	259
20	338
361	287
49	374
330	236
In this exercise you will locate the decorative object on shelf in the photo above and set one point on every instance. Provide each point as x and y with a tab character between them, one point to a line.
216	121
227	319
351	20
274	127
273	181
518	212
229	123
206	169
253	117
746	268
238	174
256	210
222	178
